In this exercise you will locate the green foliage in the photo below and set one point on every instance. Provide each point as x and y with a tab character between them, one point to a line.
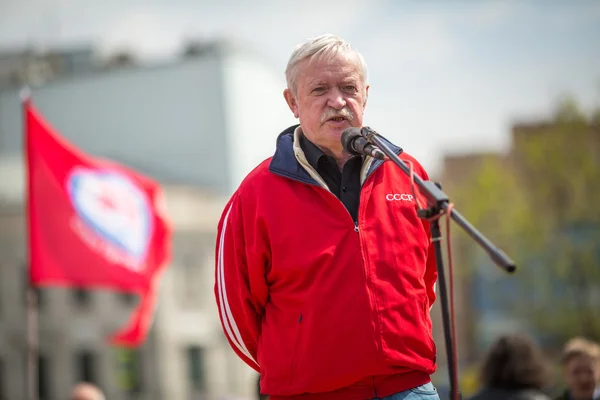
541	205
493	200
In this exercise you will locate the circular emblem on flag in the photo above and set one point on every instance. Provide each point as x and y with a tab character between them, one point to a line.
113	208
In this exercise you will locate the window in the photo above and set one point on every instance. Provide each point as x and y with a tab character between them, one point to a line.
82	297
196	370
190	288
40	298
128	298
130	370
2	381
85	367
44	378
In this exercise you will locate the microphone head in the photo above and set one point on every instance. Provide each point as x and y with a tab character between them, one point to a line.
348	136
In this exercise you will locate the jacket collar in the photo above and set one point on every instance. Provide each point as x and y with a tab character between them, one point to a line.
284	160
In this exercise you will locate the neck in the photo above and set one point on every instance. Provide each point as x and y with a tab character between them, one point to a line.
341	161
339	155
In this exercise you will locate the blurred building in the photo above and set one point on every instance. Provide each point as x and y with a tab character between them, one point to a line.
485	296
457	170
204	119
186	355
36	67
198	124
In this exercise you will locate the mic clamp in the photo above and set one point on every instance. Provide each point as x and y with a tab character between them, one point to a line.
368	133
355	142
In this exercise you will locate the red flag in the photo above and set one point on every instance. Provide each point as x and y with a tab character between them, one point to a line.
93	224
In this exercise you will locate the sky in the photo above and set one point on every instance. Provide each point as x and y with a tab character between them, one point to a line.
446	76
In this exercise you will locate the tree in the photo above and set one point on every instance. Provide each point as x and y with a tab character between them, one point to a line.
540	204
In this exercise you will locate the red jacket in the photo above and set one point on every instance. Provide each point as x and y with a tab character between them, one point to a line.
317	305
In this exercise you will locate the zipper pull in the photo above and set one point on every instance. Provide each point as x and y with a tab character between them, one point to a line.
356	227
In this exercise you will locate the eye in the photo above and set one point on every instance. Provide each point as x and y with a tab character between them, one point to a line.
318	90
350	89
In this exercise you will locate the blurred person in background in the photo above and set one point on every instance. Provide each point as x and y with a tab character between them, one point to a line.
86	391
325	274
514	369
581	368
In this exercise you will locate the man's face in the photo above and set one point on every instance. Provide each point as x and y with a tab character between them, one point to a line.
580	375
330	97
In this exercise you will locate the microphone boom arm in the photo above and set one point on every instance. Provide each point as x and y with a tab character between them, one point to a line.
438	201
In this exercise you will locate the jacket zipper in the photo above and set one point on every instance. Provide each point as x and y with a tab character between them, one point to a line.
362	253
365	264
357	230
356	226
368	283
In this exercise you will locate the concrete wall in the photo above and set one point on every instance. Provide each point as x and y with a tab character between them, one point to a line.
186	316
158	120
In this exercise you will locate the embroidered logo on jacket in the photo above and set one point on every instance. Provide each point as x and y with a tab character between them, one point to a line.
399	197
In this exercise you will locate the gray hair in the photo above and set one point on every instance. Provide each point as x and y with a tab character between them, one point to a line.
324	47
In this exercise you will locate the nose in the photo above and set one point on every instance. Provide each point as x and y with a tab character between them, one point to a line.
336	99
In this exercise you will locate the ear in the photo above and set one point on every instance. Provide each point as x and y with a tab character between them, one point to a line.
291	102
366	97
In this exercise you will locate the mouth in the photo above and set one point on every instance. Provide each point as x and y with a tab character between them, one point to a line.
337	119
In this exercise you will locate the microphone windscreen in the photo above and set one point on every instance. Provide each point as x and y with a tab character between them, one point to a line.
348	136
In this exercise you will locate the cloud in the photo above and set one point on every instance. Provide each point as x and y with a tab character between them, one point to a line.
415	42
148	34
415	58
272	26
487	15
443	74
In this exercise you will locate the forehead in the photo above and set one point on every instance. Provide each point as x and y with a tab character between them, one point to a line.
580	361
340	67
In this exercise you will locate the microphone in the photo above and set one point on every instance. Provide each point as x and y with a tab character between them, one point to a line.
354	143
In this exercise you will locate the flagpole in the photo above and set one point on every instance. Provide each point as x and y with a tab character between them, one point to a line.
32	344
32	298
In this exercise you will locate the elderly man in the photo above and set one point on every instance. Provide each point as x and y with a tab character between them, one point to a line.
323	284
86	391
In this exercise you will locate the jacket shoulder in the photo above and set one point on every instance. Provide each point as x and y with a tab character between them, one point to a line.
245	195
257	178
417	167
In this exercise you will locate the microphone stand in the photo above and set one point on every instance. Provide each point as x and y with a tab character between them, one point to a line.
438	202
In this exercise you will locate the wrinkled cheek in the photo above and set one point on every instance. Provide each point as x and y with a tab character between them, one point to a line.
358	116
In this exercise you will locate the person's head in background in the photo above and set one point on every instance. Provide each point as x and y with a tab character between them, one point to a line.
86	391
581	368
515	362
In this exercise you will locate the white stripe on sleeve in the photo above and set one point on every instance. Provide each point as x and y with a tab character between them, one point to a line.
228	320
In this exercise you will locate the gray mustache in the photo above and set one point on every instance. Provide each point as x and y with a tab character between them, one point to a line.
333	113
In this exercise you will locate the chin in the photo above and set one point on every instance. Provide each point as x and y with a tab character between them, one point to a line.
336	133
337	129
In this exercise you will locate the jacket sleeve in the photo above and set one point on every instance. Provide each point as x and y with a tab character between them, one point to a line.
241	289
